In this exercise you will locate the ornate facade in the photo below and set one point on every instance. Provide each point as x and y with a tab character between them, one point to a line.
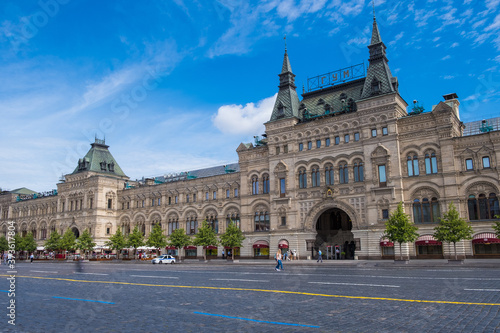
329	171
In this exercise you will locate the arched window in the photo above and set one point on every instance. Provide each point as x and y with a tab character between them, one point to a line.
302	178
213	223
315	180
412	164
483	208
255	185
329	175
343	174
426	211
430	163
265	184
235	218
191	225
358	172
261	221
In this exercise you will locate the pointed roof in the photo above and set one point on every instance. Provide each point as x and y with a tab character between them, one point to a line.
99	159
286	64
375	33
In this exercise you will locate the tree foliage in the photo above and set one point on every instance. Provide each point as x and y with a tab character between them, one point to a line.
117	242
179	239
452	228
399	228
53	243
29	243
205	237
156	238
233	237
496	226
135	239
85	242
68	241
4	244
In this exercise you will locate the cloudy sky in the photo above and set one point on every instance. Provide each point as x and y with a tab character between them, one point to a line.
176	85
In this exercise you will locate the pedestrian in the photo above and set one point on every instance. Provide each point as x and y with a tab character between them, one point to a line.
223	254
279	265
31	258
319	256
5	258
337	252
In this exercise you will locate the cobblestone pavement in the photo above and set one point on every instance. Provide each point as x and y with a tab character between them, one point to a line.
202	297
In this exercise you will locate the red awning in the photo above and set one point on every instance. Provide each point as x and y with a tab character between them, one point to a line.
485	238
189	247
283	244
386	244
260	244
427	240
210	247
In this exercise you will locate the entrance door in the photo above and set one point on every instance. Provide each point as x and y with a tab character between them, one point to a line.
334	228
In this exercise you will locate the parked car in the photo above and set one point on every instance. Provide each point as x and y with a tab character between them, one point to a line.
164	259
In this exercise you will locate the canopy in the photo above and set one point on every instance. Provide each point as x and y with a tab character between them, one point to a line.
385	242
485	238
283	244
260	244
427	240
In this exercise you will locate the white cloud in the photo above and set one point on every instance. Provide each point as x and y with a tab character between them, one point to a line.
495	25
422	15
454	45
478	23
244	120
446	57
448	77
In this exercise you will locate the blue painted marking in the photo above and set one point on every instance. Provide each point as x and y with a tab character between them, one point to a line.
254	320
4	291
85	300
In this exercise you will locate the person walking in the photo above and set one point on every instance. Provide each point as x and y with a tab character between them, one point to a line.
279	265
319	256
31	258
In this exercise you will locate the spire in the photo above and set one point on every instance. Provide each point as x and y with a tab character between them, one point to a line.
375	34
286	62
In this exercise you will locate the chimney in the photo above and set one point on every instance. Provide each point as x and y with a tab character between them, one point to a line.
452	101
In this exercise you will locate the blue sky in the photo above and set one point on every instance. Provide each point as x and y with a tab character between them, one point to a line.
176	85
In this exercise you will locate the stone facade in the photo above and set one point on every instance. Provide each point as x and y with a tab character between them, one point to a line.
329	171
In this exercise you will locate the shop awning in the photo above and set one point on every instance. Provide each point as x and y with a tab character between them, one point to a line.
190	247
210	247
40	248
260	244
283	244
427	240
170	248
485	238
386	244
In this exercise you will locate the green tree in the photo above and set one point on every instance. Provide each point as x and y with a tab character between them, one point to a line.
85	242
233	237
205	237
400	229
53	243
4	244
117	242
452	228
496	226
19	242
29	243
179	239
135	239
156	238
68	241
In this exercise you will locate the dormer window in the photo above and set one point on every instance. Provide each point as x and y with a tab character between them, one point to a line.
103	166
375	86
281	111
321	101
111	167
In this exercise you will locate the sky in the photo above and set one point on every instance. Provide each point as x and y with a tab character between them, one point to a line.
177	85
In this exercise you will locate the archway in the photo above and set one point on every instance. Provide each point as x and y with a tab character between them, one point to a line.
76	232
334	228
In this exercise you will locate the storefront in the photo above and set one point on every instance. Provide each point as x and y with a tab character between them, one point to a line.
228	252
283	246
190	252
261	250
428	247
486	245
171	250
211	251
387	249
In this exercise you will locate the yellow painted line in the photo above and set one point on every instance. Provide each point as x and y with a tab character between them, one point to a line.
260	290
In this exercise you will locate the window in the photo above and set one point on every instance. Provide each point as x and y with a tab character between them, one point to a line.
213	223
227	193
358	172
327	142
91	202
430	163
346	138
235	192
187	197
318	143
277	150
301	146
108	231
123	205
302	178
235	218
128	203
426	211
412	165
337	140
206	196
285	149
315	179
282	187
385	214
194	199
309	145
144	203
343	174
384	131
329	175
382	179
191	226
265	183
261	221
486	162
468	164
110	203
255	185
176	199
283	221
169	200
214	195
483	208
356	136
374	133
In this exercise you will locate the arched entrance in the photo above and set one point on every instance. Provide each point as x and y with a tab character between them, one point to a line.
334	227
76	232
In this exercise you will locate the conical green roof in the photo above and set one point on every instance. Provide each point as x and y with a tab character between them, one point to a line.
99	159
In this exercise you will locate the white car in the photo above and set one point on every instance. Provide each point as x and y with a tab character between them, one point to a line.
164	259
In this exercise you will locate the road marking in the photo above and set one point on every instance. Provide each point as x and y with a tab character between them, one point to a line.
358	284
159	277
483	289
91	273
254	320
243	280
4	291
44	272
85	300
257	290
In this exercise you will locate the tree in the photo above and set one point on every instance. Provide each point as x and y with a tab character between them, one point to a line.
205	237
179	239
452	228
53	243
68	241
4	244
29	243
399	228
117	242
233	237
135	239
496	226
85	242
156	238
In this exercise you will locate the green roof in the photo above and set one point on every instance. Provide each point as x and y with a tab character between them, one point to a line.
23	190
99	159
